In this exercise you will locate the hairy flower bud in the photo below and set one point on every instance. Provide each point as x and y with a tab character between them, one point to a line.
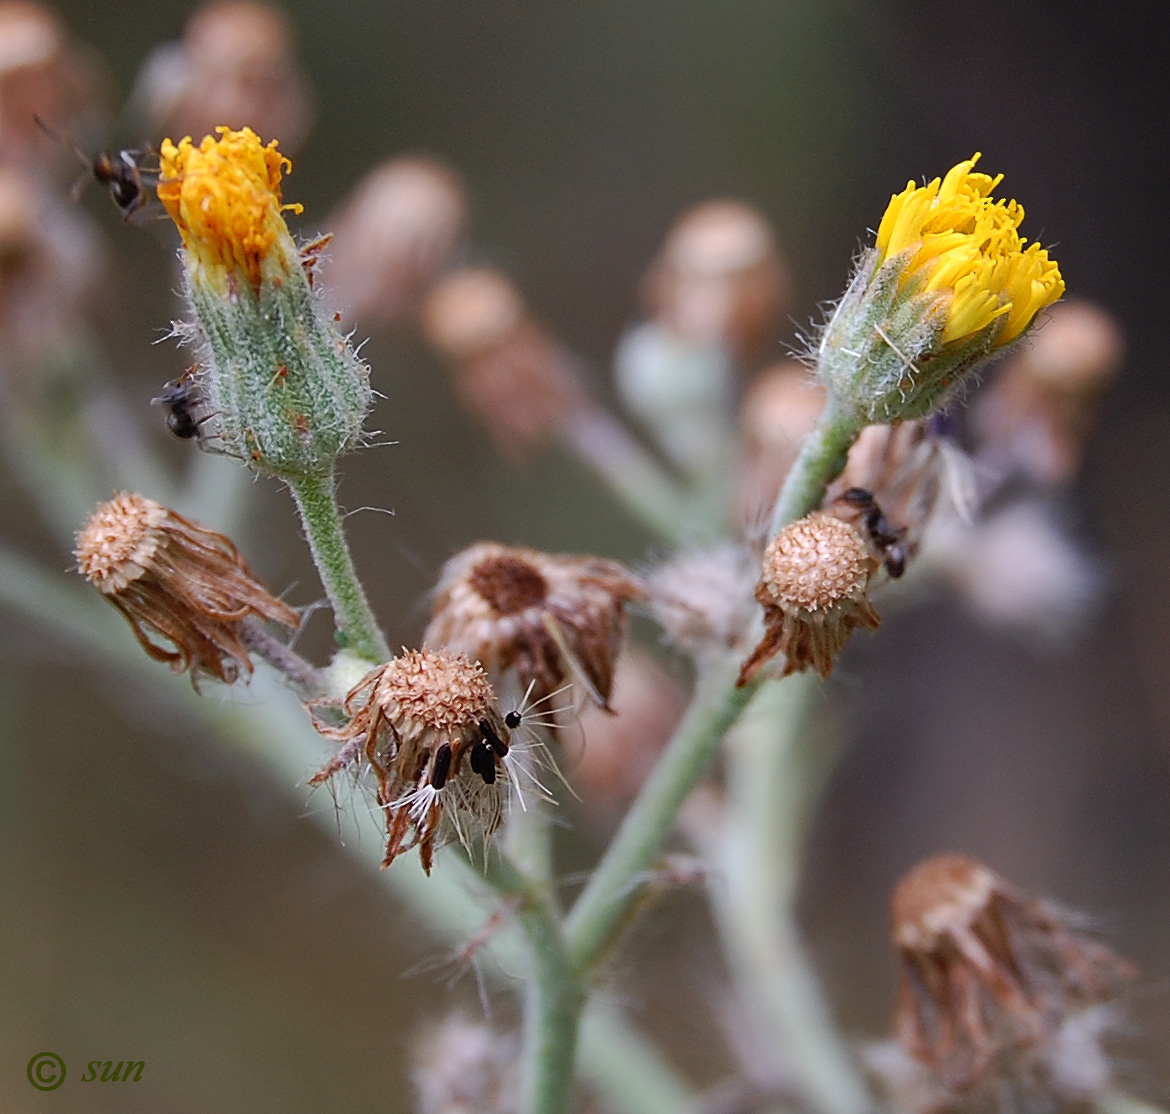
177	580
428	724
989	978
551	619
814	591
286	390
461	1067
948	282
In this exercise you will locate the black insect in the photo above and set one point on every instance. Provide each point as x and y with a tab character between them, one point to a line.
441	767
179	398
121	172
885	537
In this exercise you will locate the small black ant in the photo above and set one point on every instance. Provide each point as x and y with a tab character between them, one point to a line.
121	172
178	397
886	537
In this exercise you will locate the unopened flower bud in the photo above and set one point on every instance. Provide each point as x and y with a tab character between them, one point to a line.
814	592
948	283
392	238
429	725
176	581
507	370
718	279
286	391
1038	414
235	65
550	619
988	976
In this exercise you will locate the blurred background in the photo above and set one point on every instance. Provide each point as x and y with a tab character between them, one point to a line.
159	901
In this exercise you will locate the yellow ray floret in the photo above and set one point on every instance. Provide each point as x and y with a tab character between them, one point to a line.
962	244
224	195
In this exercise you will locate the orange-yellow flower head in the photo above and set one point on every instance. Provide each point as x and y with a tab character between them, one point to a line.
948	282
224	195
962	245
284	388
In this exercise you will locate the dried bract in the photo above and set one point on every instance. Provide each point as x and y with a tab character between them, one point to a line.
179	581
508	371
429	725
814	591
551	619
989	977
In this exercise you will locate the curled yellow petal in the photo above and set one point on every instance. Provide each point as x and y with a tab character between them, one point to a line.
224	196
964	246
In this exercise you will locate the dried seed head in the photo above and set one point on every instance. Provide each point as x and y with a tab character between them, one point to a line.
429	725
814	591
779	410
704	600
461	1067
1037	416
551	619
392	238
507	370
176	579
719	279
990	978
235	65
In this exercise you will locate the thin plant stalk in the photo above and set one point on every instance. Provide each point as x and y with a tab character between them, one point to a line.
316	500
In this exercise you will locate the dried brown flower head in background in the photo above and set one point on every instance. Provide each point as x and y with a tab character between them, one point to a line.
719	278
551	619
988	976
1040	410
429	725
235	65
508	371
814	591
392	238
178	580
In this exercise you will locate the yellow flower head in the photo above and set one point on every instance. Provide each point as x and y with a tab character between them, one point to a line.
224	196
961	244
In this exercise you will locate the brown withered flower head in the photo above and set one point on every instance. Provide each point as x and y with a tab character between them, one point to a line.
814	591
992	983
176	581
429	725
550	619
508	371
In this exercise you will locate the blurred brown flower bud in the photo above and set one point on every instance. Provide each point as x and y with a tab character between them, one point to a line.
235	65
620	749
429	725
814	591
779	409
43	74
719	279
177	580
989	977
461	1067
507	371
550	619
1039	412
392	238
703	600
